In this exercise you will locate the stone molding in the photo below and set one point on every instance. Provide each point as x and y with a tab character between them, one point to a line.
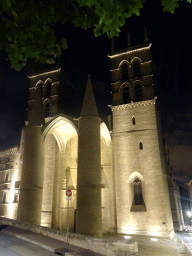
134	105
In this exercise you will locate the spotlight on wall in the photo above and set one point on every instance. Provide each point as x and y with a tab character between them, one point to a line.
154	239
127	237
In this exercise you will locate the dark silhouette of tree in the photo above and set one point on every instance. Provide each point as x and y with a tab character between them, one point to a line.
27	27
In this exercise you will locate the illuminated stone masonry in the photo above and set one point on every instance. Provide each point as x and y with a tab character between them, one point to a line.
134	105
9	182
117	176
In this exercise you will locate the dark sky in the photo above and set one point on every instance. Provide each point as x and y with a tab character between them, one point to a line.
170	35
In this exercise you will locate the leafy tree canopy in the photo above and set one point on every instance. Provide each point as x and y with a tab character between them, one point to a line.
27	27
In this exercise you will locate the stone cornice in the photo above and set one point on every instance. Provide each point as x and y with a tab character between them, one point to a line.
128	51
134	105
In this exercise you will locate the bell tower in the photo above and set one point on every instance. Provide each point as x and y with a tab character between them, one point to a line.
142	198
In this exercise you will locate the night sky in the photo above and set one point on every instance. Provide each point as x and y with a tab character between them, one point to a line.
170	35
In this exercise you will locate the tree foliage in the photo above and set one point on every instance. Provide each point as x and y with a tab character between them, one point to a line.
27	27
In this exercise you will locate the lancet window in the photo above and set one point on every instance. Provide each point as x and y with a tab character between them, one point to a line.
124	73
126	96
136	69
138	197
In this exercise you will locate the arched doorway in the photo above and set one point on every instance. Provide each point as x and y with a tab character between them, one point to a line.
60	173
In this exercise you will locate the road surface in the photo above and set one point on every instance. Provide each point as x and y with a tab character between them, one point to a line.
12	246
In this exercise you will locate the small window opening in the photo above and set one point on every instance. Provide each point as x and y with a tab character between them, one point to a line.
126	97
133	120
17	184
16	198
140	145
124	73
136	69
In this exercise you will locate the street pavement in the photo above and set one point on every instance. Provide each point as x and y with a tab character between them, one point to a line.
12	246
36	244
52	245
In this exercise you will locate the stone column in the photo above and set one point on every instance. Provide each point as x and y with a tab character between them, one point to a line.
30	199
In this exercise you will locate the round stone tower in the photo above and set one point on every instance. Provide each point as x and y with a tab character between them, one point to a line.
30	200
89	217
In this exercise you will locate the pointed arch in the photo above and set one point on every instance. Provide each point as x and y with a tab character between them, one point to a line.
136	181
138	197
62	128
59	142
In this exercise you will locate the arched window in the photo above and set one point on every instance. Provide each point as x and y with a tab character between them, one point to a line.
138	92
136	69
126	97
124	72
140	145
133	120
39	84
138	198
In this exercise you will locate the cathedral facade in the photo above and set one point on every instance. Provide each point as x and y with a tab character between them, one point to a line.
117	173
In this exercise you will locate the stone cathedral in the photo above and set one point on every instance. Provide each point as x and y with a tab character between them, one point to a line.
118	175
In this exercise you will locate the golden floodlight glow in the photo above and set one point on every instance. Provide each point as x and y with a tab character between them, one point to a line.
127	237
129	230
154	239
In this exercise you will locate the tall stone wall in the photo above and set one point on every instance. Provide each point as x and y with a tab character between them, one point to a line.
131	162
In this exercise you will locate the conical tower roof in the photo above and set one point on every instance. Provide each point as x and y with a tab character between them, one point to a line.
89	107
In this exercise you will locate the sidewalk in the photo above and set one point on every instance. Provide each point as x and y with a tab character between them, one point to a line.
147	246
186	239
50	244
